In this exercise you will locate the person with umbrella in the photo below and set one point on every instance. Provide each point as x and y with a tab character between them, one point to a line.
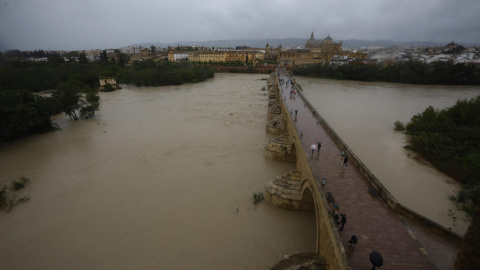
313	146
376	259
353	241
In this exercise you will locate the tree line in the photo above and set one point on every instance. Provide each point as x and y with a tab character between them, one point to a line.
411	72
151	73
12	54
31	92
450	140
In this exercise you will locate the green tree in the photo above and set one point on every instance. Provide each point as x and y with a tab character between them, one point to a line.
70	100
82	59
92	96
71	54
55	60
103	56
108	88
23	113
123	59
450	139
12	54
153	50
399	126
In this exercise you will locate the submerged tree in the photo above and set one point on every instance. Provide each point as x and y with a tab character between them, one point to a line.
71	101
450	139
23	113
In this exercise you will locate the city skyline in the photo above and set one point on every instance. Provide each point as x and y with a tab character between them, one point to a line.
74	25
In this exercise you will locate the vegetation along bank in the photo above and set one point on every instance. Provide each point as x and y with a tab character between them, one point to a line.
73	88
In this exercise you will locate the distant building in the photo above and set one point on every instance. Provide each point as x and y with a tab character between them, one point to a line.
145	52
244	56
224	48
318	51
272	53
107	80
206	56
174	56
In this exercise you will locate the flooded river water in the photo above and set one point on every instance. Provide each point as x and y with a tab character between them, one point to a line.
161	178
363	114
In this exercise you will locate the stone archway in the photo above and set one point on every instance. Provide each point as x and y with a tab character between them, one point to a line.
293	153
307	201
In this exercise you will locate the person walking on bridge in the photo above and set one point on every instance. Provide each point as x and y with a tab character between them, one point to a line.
343	221
313	146
345	161
353	241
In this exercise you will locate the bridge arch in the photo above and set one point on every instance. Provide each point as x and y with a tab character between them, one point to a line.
307	201
293	152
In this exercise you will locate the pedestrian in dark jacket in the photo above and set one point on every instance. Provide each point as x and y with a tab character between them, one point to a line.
353	241
345	161
343	221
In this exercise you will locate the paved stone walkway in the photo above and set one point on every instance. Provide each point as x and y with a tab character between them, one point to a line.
377	227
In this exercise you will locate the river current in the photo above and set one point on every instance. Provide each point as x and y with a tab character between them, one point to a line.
161	178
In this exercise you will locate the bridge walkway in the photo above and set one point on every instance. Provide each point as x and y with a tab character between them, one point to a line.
377	227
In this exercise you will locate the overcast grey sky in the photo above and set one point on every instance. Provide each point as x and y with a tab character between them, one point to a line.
101	24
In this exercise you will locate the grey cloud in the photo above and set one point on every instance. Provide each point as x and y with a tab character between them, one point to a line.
73	24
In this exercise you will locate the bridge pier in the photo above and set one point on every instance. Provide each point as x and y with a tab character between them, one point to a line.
290	191
281	149
274	110
276	125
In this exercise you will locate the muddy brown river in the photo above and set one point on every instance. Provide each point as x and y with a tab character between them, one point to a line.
161	178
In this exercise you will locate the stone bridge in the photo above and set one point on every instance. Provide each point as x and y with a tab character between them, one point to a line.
298	189
374	215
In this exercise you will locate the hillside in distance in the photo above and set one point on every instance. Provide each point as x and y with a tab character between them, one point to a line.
298	42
